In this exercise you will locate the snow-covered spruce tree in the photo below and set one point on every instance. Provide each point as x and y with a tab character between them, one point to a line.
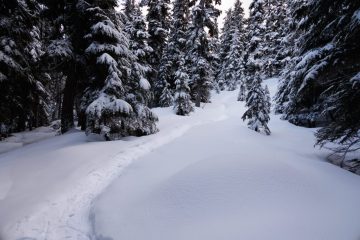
167	96
158	12
290	51
225	40
135	26
203	26
313	78
65	54
109	57
233	68
175	47
58	53
218	84
321	88
254	56
258	105
242	91
23	104
183	105
138	88
233	64
276	31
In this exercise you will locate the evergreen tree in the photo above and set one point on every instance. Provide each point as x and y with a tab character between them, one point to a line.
138	89
290	49
242	91
233	67
23	104
321	86
276	30
226	38
254	56
135	26
158	29
183	105
202	27
167	96
174	49
111	109
258	105
65	54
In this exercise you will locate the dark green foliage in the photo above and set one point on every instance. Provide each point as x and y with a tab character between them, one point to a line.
23	97
203	26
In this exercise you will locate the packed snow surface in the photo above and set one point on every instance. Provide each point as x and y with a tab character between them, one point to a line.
223	181
206	176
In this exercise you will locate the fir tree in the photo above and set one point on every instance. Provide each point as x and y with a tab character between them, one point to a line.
111	109
175	47
320	86
138	88
135	26
23	104
226	38
258	110
183	105
65	54
242	91
256	30
202	27
167	97
276	30
233	67
158	29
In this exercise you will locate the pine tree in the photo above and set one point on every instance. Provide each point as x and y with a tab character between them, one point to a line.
321	87
258	105
65	54
276	23
202	27
254	57
175	47
23	104
158	29
138	88
167	97
183	105
226	38
242	92
135	27
232	69
112	107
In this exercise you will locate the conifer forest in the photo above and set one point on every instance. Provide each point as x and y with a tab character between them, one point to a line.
179	119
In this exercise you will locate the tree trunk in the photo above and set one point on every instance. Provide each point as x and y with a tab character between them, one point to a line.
198	99
67	111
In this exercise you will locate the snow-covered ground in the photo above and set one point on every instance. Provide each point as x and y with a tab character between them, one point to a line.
223	181
18	140
46	188
206	176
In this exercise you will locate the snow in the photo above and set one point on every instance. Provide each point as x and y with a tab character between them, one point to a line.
107	59
223	181
356	18
47	188
144	84
107	103
106	28
17	140
206	176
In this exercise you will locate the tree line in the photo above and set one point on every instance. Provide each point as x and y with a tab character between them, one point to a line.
83	61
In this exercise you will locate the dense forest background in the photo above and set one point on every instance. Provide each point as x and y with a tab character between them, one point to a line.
84	62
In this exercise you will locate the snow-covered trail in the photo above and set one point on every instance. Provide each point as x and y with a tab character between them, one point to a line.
46	188
222	181
200	177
